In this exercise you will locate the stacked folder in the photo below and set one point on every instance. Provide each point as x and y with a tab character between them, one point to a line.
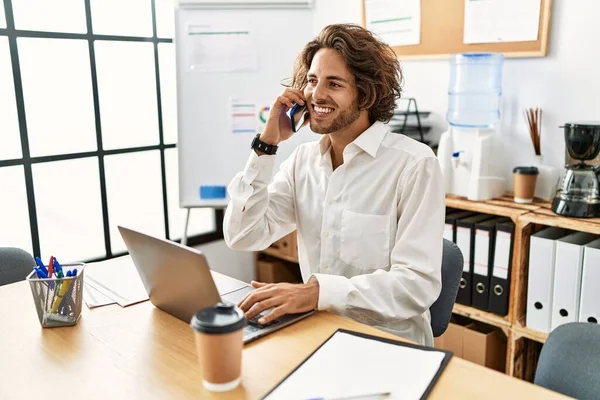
564	270
564	281
486	242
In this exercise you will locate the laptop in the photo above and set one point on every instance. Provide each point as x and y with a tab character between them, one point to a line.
179	281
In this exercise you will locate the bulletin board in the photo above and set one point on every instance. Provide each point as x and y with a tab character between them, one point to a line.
442	23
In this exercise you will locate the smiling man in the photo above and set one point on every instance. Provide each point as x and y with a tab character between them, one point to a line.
368	204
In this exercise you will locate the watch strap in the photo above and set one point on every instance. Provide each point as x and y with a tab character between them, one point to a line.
266	148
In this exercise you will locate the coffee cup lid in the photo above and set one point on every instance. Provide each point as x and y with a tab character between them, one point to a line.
526	170
220	318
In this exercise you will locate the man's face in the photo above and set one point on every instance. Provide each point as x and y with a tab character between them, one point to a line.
331	93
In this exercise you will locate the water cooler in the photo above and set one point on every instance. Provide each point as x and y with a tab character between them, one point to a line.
470	151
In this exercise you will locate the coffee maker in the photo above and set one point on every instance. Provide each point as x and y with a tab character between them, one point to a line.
579	193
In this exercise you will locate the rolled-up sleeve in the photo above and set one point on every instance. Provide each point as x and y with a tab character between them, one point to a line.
413	282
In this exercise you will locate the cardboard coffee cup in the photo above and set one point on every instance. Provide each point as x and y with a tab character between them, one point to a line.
219	340
524	183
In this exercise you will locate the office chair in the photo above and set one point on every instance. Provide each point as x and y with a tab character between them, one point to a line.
568	362
15	264
441	309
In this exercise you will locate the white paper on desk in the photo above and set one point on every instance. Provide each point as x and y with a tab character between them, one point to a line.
348	365
93	297
118	279
397	22
222	47
493	21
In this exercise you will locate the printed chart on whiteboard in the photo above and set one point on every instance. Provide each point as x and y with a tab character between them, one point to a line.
397	22
243	116
222	48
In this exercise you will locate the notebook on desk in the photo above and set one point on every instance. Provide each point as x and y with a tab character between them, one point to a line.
352	365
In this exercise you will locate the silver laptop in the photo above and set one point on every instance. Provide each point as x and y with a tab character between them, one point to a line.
179	281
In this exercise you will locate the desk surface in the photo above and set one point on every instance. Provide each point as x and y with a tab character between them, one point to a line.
140	352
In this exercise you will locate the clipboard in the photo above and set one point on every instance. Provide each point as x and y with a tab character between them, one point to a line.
287	384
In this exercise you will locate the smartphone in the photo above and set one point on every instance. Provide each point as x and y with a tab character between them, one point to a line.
298	115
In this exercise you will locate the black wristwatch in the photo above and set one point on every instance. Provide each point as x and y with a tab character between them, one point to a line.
259	145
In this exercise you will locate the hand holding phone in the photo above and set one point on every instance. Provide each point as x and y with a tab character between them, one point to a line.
282	121
298	115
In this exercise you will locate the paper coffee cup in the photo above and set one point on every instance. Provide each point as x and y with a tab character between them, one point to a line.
219	340
524	184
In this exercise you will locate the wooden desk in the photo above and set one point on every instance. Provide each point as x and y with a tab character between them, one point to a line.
140	352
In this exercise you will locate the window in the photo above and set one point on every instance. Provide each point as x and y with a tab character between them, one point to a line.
123	18
57	91
84	144
49	16
10	141
69	209
133	186
2	17
166	62
14	228
127	90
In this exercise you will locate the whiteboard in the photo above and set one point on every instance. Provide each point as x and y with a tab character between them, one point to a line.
231	58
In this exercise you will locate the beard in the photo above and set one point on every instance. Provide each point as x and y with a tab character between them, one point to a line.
346	117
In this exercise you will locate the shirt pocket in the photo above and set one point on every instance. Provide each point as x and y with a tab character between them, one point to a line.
365	240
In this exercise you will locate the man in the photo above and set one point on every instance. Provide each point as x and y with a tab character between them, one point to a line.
368	205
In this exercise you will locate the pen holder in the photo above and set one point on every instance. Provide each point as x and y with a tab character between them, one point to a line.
58	300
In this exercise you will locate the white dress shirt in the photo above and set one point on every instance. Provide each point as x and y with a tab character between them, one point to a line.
370	232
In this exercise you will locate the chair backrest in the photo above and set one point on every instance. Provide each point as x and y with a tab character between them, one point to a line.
569	359
15	264
452	266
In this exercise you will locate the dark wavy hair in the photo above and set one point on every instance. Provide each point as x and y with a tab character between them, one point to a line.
373	63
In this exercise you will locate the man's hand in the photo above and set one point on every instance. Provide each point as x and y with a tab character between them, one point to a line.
279	127
284	298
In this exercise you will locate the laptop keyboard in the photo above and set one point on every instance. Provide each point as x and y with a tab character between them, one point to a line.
254	326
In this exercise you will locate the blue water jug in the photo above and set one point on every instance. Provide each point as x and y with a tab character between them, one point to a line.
475	89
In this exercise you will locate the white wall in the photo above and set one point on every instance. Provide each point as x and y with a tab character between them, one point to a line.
237	264
565	84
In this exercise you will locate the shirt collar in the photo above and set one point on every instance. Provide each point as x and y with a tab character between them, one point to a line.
369	141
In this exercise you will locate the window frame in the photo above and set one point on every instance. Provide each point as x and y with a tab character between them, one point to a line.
27	161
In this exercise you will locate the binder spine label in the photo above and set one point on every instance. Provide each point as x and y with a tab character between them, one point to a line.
502	255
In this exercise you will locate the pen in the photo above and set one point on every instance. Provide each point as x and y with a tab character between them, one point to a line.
58	268
50	266
64	287
370	396
40	264
40	273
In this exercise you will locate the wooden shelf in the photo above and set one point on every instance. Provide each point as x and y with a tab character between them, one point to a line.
278	254
482	316
544	216
502	206
530	334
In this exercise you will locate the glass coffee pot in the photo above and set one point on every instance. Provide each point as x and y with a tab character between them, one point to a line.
579	194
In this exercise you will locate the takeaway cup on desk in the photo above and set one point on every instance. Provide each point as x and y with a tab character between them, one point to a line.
219	332
524	183
58	300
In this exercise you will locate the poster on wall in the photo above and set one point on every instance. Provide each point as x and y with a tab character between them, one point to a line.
496	21
396	22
